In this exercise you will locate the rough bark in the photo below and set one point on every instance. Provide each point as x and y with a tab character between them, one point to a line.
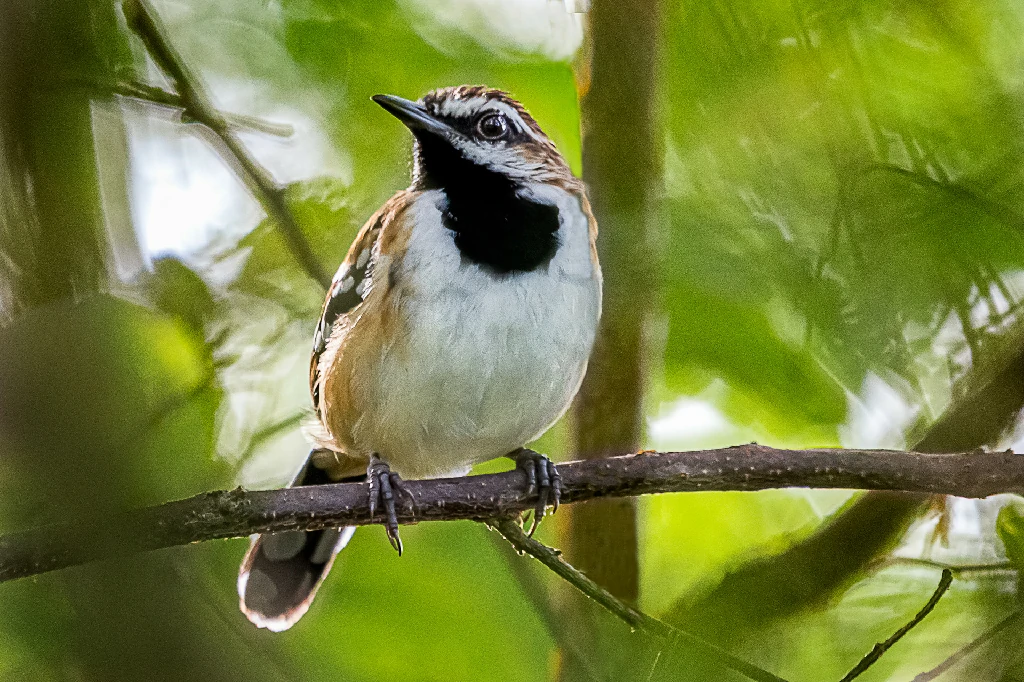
239	513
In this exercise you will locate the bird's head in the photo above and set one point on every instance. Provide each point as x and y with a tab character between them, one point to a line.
470	130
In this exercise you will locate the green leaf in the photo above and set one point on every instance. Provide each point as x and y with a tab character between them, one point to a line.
1010	528
780	382
88	389
325	217
180	293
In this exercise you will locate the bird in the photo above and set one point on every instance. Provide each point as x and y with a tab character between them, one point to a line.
457	329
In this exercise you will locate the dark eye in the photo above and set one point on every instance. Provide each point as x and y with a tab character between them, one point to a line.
492	127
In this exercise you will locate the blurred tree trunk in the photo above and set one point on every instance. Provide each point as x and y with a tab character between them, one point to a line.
53	239
53	218
78	372
616	78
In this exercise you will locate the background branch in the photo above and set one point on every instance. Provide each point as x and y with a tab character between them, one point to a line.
970	648
552	558
879	649
150	94
846	545
240	513
535	591
197	105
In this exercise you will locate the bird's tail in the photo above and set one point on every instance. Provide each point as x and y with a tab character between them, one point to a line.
281	572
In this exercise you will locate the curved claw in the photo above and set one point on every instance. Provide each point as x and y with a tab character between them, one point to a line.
542	477
543	488
382	486
556	486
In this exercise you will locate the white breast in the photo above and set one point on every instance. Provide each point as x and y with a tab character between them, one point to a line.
492	361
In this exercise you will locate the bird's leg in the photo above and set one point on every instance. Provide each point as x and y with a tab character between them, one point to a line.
383	484
542	478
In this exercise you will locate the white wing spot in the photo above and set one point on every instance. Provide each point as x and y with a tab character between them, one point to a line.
364	256
361	287
346	284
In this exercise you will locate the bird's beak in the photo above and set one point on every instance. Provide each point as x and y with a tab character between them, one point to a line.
413	115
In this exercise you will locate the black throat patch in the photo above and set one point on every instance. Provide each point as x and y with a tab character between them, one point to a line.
493	226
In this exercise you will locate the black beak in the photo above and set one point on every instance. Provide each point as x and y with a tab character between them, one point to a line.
413	115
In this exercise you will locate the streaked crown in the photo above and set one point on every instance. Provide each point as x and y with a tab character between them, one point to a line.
485	127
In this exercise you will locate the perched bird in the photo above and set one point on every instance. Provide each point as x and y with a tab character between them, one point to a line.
457	329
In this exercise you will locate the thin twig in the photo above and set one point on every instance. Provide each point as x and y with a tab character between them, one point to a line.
962	653
239	513
268	432
957	569
151	94
833	557
158	97
879	649
638	620
536	593
143	21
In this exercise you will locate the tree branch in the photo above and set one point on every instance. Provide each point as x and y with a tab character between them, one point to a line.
971	647
197	105
552	558
150	94
989	400
239	513
879	649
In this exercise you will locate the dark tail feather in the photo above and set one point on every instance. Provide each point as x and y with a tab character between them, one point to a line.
281	572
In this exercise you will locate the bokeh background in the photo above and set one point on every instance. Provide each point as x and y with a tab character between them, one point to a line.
837	259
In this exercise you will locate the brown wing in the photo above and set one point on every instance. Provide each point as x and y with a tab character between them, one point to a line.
346	293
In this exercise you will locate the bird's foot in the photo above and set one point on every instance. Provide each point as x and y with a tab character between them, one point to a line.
542	477
383	484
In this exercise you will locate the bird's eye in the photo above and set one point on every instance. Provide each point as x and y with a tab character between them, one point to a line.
492	127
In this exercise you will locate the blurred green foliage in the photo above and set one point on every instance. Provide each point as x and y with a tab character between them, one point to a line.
842	201
1010	526
843	186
